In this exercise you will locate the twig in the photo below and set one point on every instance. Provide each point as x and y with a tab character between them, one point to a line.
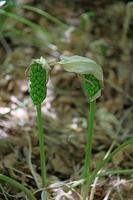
92	193
30	163
3	192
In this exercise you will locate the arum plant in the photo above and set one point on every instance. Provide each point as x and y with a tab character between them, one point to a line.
38	76
92	77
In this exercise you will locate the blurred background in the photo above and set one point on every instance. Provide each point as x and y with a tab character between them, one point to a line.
99	29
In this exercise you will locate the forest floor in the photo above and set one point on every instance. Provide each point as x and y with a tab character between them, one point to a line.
95	31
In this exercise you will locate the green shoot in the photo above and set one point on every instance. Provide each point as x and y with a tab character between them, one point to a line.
92	76
18	185
38	80
88	148
42	148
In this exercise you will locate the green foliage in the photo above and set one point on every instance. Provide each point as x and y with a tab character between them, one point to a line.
23	20
17	185
7	6
43	14
9	18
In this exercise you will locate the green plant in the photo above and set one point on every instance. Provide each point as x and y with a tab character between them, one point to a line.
9	17
43	14
8	6
35	27
38	80
18	185
92	77
38	73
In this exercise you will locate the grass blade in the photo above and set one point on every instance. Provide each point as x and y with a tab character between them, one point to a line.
23	20
44	14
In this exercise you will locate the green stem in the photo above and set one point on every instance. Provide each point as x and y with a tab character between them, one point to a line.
88	148
42	147
18	185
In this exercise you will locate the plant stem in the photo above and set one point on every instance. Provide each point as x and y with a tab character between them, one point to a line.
17	185
41	145
88	148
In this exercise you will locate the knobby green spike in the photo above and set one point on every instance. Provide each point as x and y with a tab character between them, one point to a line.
91	86
38	80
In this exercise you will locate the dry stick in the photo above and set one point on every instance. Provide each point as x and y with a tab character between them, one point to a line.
18	185
3	192
118	188
92	193
107	194
33	172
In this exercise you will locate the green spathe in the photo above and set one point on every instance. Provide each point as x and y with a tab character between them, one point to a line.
91	72
81	65
43	62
